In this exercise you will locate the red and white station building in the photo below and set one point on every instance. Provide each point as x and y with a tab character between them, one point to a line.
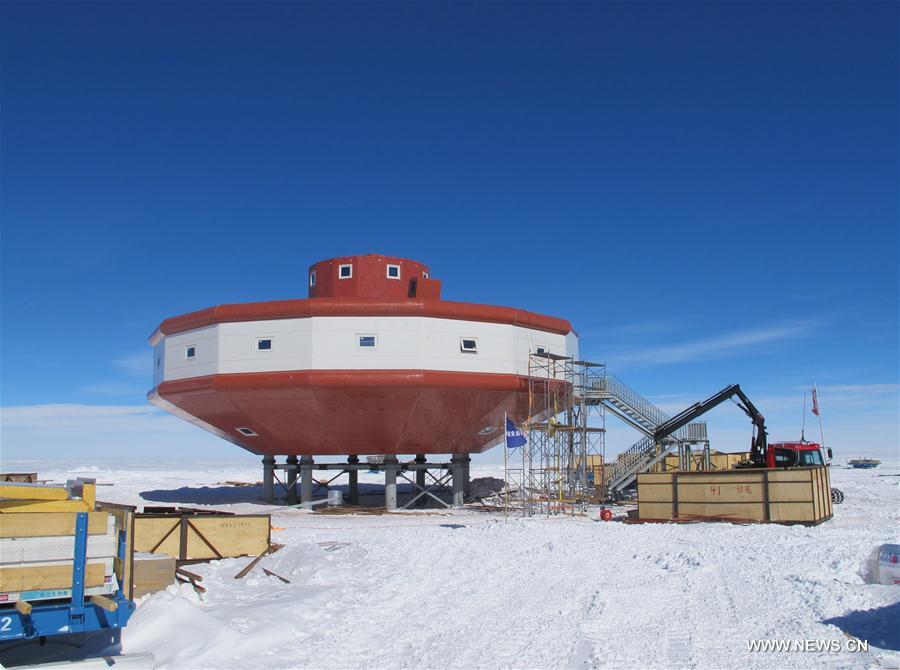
372	362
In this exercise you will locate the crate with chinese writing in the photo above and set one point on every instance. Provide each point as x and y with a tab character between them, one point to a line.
794	495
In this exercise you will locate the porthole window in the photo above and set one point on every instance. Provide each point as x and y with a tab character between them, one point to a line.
345	271
393	272
265	344
367	341
468	345
247	432
312	278
190	351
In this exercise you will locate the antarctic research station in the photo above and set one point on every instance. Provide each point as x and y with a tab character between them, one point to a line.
375	372
376	368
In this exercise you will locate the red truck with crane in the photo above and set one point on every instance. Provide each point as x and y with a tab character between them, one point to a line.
763	454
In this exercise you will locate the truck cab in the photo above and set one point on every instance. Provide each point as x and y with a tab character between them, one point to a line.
794	454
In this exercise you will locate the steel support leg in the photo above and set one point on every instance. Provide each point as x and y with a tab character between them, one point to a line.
353	489
390	483
269	479
467	481
458	467
306	487
290	479
420	477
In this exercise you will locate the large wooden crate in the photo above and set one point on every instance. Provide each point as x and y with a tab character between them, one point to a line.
795	495
202	537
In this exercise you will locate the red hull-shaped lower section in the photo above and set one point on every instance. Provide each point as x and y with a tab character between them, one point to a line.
342	412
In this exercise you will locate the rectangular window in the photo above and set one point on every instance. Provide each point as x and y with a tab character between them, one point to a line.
190	351
345	271
312	278
249	432
265	344
468	344
393	271
367	341
540	350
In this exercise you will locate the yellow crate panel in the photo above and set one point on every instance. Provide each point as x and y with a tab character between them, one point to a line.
654	510
40	524
654	478
791	492
33	492
231	536
47	577
655	493
737	511
723	491
792	512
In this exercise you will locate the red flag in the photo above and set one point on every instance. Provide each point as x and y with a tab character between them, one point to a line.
815	407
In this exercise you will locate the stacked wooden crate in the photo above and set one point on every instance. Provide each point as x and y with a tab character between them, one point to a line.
37	542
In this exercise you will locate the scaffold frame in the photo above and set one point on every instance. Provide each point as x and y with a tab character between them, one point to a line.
555	471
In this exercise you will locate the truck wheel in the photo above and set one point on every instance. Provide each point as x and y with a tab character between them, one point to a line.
837	496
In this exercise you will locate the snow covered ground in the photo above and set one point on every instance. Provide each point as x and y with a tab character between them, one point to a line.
469	589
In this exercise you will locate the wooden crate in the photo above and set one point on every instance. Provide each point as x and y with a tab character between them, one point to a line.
795	495
192	537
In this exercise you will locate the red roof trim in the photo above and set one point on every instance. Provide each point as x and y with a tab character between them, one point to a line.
293	309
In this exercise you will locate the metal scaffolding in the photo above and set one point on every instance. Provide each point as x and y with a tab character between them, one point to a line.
555	471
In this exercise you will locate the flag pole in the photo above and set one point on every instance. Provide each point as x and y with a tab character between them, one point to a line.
819	414
505	471
803	427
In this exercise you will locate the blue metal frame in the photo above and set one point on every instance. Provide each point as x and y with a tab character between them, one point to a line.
72	616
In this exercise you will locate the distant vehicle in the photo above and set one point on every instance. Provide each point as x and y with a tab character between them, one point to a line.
864	463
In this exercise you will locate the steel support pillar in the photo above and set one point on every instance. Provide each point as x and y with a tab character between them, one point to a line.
269	479
467	481
420	477
353	488
390	483
306	487
458	468
290	479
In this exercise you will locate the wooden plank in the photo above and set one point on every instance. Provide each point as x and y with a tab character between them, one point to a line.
721	491
34	578
655	510
51	523
230	536
791	492
655	493
44	506
22	491
754	511
54	548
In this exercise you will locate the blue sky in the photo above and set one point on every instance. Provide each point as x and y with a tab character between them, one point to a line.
708	191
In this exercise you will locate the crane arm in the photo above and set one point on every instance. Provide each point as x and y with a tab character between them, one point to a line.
758	446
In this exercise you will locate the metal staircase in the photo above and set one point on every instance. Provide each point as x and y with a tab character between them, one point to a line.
640	413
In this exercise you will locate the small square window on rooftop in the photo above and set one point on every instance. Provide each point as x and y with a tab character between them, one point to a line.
190	351
312	278
265	344
367	341
393	271
247	432
345	270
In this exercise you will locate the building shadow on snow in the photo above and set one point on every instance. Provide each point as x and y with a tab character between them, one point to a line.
370	495
880	626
